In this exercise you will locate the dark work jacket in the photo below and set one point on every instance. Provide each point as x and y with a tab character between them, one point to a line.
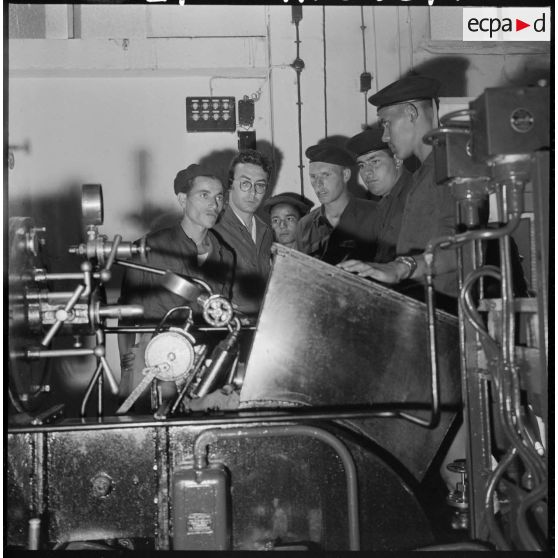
390	213
253	261
352	238
429	213
172	250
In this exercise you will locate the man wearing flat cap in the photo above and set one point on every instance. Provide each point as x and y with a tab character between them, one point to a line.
383	175
343	226
407	110
286	210
189	248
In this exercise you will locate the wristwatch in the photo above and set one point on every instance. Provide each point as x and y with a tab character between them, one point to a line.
410	262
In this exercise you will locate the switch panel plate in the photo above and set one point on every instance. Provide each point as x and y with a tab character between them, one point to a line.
210	114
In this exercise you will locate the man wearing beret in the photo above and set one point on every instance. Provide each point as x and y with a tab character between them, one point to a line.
248	236
286	210
383	175
407	110
343	226
188	248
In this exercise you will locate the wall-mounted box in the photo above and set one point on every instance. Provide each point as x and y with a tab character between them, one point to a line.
210	114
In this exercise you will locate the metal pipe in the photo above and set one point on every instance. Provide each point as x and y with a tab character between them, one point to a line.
58	323
229	417
210	436
100	392
34	534
140	267
54	353
501	542
100	352
151	329
89	389
192	375
58	276
115	243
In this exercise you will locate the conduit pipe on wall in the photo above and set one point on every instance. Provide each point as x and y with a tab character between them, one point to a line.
207	437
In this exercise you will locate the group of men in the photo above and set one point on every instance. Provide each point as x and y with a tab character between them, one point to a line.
229	246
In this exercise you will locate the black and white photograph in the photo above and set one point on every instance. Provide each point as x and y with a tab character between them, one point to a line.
276	277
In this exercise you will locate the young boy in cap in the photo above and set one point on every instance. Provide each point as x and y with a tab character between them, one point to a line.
188	248
247	234
343	226
407	110
383	175
286	210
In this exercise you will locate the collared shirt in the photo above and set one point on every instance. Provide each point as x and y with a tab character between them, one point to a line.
429	213
253	259
352	237
171	249
252	225
390	213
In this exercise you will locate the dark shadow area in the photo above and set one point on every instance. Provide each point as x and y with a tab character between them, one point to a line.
60	214
533	71
450	71
150	217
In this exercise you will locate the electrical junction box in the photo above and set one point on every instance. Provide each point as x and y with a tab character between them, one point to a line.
210	114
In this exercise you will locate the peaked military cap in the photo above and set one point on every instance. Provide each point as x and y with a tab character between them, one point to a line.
367	141
329	153
410	88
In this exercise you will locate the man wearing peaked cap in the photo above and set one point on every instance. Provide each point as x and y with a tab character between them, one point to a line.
407	110
189	248
342	227
383	175
285	211
407	89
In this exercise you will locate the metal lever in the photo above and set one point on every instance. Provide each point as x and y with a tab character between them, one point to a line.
62	315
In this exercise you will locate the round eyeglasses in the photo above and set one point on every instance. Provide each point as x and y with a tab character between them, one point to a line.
260	187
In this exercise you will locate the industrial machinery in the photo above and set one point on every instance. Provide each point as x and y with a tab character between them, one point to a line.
499	148
349	390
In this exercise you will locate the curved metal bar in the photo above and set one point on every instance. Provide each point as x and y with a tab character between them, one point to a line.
169	313
434	419
449	117
488	504
490	346
435	134
210	436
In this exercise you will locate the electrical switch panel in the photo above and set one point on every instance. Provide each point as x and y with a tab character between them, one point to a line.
210	114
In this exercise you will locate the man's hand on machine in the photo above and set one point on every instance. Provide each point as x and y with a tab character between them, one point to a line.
390	273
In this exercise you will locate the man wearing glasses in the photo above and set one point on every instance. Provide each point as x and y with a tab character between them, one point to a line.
248	236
